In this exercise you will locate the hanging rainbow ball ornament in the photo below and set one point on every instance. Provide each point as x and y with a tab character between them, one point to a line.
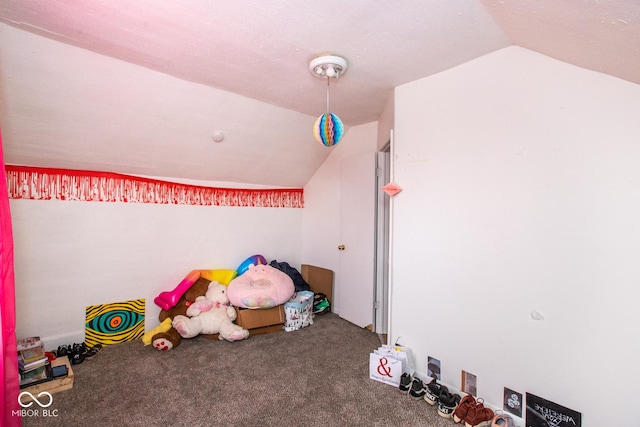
328	129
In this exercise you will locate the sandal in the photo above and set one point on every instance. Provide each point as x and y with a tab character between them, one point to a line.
93	351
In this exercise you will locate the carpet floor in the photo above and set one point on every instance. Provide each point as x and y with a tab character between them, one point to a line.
316	376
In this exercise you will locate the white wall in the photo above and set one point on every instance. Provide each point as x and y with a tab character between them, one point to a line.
521	192
72	254
321	217
69	255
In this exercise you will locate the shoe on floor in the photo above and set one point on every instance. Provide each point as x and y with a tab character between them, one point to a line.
479	416
405	383
63	350
93	351
320	303
447	403
433	392
77	354
460	413
502	420
418	390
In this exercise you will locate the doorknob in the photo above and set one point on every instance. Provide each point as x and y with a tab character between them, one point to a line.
341	247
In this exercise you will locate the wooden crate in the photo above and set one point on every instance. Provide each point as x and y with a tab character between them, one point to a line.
53	386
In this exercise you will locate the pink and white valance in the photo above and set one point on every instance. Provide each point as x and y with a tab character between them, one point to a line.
26	182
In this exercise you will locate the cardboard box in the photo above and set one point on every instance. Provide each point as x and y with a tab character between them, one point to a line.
319	279
53	386
261	320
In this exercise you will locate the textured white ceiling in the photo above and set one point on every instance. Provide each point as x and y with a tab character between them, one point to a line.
600	35
261	50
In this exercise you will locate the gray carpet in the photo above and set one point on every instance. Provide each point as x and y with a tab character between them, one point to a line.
317	376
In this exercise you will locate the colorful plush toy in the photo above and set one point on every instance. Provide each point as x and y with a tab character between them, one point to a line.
164	338
168	299
175	303
260	286
147	338
249	262
210	315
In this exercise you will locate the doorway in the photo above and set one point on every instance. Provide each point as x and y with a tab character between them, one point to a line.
363	275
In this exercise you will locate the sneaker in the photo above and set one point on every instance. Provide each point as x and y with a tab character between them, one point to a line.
502	420
433	392
320	304
447	403
63	350
460	413
418	389
405	383
479	416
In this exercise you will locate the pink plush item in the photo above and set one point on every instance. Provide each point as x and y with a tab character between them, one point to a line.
166	300
261	286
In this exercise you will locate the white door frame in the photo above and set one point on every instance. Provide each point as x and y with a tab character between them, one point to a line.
381	303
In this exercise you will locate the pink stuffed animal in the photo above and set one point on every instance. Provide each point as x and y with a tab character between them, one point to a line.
261	286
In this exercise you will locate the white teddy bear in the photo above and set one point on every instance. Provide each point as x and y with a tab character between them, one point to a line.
211	314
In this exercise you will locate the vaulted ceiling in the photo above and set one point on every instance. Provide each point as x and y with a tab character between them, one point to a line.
261	49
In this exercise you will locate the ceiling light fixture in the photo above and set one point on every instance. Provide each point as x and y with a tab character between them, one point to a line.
328	128
328	66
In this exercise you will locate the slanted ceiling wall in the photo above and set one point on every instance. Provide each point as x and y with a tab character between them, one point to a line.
521	193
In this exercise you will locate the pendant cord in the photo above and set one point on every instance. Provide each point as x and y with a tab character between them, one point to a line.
327	95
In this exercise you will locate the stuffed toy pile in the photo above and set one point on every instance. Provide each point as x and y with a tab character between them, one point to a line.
204	302
210	314
165	336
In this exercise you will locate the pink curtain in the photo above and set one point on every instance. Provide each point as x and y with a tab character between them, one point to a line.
8	362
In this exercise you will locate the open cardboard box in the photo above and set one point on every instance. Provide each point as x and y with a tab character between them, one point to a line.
319	279
261	321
